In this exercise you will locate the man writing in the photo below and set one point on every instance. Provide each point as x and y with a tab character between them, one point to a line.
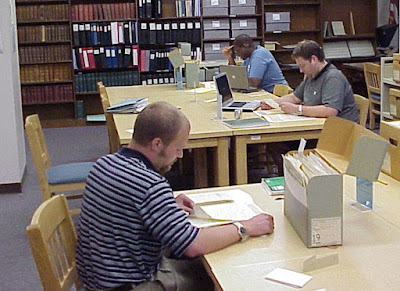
130	216
262	69
324	92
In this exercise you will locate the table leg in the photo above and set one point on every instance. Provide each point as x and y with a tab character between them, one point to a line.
240	159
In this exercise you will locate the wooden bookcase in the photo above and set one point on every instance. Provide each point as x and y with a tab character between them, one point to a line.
44	39
48	67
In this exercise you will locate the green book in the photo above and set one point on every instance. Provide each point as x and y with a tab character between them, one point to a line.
274	186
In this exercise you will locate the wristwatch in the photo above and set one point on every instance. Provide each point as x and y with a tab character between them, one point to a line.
241	231
299	110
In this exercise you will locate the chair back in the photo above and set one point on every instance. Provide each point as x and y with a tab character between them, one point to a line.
40	154
372	74
52	239
362	105
113	138
282	90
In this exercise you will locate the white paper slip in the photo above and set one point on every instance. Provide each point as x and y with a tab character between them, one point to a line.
200	90
287	277
130	130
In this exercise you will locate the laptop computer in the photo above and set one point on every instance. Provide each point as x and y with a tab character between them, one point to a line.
237	76
228	104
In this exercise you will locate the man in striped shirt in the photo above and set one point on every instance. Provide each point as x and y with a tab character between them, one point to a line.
130	216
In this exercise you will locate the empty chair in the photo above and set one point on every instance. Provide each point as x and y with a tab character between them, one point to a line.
52	239
52	179
113	138
362	105
372	74
282	90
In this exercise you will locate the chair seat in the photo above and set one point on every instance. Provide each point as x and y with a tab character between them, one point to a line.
376	96
69	173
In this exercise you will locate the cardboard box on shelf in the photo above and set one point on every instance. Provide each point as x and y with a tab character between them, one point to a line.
277	21
396	67
390	130
316	209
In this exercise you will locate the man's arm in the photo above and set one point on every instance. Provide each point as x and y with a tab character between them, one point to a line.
229	54
254	82
312	111
215	238
290	98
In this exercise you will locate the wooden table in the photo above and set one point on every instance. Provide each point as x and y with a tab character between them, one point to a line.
205	132
275	132
366	261
209	133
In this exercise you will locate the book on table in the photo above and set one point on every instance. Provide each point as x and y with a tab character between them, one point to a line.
129	106
274	186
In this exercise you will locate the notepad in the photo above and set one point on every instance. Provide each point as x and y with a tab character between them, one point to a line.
287	277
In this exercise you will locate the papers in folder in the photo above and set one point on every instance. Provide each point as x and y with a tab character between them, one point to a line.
304	167
134	105
216	208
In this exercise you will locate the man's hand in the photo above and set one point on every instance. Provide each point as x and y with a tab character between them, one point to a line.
289	108
185	203
259	225
229	54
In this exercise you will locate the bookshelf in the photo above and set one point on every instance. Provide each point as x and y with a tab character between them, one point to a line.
44	40
125	42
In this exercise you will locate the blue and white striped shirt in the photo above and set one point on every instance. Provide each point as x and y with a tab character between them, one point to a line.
129	216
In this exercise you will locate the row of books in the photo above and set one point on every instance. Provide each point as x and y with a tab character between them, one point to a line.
149	8
44	54
105	11
88	58
154	60
44	33
46	73
47	94
187	8
170	32
105	33
58	12
159	78
85	83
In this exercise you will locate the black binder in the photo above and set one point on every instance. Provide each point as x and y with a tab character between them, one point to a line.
152	33
75	33
167	32
159	33
174	32
143	33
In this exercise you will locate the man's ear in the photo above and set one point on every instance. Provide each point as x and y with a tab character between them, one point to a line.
157	145
314	59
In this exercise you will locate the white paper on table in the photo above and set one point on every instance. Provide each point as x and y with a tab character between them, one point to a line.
280	117
242	206
287	277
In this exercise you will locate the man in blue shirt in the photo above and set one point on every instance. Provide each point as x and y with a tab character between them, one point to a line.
262	69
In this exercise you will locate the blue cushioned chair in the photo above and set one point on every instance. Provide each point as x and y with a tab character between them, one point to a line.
61	178
372	74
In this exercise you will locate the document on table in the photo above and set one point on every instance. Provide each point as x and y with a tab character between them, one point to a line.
222	207
279	117
288	277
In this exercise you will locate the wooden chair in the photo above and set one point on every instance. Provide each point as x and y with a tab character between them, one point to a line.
282	90
372	74
362	105
52	179
52	239
113	137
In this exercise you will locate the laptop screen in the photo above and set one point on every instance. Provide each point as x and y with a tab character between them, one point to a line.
222	84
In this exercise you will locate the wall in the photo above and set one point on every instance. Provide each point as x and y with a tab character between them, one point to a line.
12	144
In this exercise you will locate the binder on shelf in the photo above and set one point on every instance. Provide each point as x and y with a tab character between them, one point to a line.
174	32
167	33
144	33
148	13
75	34
159	33
152	33
135	55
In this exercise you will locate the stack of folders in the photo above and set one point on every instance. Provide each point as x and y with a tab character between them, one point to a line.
134	105
303	167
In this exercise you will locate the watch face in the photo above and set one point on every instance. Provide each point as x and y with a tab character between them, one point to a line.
243	231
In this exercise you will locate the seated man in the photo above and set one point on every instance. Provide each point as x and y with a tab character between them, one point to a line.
262	69
130	216
324	92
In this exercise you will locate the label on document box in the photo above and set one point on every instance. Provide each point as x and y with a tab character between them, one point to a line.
326	231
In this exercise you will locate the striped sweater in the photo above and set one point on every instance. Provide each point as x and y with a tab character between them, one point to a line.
129	216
